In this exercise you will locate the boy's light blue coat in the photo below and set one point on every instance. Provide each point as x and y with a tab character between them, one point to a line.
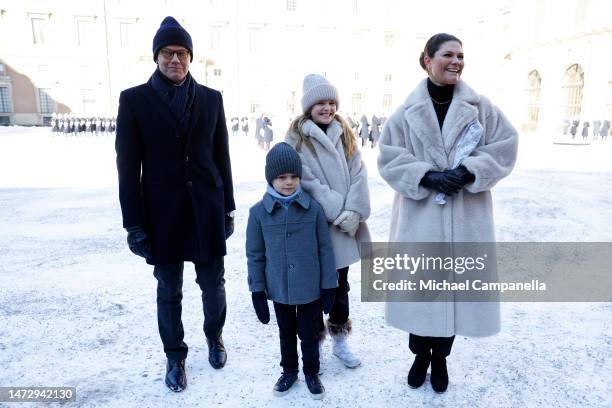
289	251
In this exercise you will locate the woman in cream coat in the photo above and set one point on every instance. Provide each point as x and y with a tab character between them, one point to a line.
334	175
417	151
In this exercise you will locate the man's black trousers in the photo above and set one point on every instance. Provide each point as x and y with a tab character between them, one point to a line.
209	276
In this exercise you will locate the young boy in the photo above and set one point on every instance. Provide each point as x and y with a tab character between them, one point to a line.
291	262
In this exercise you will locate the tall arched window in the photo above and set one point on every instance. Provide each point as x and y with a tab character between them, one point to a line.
534	86
574	83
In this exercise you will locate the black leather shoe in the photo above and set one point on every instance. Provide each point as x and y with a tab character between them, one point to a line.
216	352
284	383
418	371
439	374
314	386
176	379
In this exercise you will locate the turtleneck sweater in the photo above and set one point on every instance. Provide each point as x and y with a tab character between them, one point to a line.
322	126
441	97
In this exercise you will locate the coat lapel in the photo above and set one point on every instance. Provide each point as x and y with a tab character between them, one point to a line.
161	107
461	112
331	154
424	123
195	115
327	140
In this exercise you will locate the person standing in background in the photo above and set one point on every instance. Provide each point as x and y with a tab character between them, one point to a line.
375	130
364	130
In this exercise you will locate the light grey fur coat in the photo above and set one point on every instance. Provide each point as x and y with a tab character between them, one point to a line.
335	184
412	144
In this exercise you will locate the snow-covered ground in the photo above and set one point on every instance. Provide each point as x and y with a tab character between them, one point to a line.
78	309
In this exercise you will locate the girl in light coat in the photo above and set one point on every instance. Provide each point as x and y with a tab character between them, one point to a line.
335	176
417	149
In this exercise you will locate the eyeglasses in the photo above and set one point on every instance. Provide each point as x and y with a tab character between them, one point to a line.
182	55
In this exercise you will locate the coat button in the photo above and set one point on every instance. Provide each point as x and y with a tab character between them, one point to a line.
186	159
288	234
189	183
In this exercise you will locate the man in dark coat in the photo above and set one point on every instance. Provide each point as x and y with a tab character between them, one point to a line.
176	192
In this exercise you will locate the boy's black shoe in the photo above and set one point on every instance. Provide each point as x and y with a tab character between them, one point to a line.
314	386
176	379
439	374
418	371
284	383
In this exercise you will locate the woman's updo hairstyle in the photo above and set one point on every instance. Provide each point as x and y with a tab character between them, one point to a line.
433	45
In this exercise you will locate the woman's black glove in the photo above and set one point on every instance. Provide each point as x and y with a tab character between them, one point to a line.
442	181
138	241
327	297
229	226
260	303
463	174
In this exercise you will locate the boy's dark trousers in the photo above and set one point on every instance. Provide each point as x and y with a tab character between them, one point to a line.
339	313
301	320
209	276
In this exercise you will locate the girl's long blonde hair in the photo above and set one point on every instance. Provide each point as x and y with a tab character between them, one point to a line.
349	140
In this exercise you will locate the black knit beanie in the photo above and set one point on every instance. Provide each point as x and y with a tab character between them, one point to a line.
170	32
281	159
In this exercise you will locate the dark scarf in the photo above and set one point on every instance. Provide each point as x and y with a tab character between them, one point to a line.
441	97
178	98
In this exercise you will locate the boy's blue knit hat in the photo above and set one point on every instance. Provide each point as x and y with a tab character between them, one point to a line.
281	159
170	32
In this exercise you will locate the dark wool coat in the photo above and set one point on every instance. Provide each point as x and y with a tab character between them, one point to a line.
177	185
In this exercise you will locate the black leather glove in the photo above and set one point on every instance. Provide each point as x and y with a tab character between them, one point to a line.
327	297
229	226
260	303
463	174
441	181
138	242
